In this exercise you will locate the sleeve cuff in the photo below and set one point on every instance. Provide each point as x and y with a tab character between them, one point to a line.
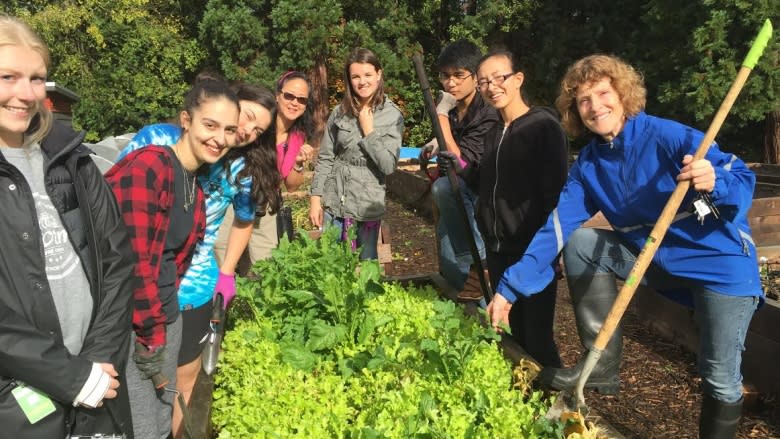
94	389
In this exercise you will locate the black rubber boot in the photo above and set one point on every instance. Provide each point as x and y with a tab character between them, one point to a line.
719	420
592	298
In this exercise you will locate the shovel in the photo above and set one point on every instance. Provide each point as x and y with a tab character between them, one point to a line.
566	402
210	353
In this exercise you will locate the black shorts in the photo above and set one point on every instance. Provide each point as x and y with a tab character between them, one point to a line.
195	326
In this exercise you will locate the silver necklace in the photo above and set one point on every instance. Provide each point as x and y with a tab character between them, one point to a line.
189	188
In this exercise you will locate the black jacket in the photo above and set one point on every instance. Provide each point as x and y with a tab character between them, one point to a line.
31	344
521	175
469	134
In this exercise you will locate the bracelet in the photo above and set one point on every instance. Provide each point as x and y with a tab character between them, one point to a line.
298	168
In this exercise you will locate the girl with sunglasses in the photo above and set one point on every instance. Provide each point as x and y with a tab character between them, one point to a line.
289	132
360	148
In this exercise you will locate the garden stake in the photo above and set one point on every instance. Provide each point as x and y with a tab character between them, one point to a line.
487	292
576	403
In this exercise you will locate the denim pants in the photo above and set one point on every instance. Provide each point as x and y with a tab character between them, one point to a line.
454	250
723	320
367	234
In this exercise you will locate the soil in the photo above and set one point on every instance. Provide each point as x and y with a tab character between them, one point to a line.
659	395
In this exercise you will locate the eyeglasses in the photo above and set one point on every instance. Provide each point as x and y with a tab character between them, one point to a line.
458	77
291	97
483	84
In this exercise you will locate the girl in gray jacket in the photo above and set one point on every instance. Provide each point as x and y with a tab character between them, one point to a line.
359	149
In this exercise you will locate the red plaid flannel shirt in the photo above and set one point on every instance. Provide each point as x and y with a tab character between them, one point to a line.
143	185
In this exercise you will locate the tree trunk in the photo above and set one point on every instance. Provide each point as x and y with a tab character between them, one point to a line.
772	137
319	83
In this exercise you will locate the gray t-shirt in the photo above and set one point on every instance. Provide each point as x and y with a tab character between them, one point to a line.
67	280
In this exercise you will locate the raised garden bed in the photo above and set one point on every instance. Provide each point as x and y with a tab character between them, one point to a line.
320	347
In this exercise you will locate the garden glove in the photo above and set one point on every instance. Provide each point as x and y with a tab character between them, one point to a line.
426	153
449	160
149	360
446	103
226	285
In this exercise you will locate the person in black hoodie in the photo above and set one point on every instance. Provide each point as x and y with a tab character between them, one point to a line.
66	269
523	169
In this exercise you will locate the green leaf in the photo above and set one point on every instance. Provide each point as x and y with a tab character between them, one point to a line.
298	357
323	335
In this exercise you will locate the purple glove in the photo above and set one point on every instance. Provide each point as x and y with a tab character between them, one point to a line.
226	285
449	160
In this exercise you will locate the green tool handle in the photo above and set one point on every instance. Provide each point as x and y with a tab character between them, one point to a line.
757	49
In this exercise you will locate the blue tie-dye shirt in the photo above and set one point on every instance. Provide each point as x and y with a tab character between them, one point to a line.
197	285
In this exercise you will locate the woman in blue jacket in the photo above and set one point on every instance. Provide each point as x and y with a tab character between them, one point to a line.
628	172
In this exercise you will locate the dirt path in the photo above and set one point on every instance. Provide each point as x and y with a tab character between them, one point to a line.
659	395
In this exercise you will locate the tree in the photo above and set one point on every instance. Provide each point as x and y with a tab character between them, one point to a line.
689	53
267	38
691	77
128	64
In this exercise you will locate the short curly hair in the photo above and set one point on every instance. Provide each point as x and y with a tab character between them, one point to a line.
627	82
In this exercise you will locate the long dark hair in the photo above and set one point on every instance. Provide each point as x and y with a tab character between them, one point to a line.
349	103
260	155
304	123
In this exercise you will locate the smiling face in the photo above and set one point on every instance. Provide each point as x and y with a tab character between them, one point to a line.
208	132
499	86
289	99
22	91
253	120
364	80
600	108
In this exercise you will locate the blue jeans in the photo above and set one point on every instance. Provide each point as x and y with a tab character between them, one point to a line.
454	250
723	320
367	234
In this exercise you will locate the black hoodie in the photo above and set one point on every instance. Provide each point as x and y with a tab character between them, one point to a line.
523	169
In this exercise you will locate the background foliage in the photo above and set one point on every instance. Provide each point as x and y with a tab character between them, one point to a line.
131	60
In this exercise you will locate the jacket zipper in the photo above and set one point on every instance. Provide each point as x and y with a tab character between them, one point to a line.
495	191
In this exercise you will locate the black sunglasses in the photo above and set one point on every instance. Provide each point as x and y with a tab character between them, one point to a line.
290	97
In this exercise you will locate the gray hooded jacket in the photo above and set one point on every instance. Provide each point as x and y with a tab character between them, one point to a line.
351	169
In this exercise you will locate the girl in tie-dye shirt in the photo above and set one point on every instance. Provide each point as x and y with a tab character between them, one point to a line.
245	177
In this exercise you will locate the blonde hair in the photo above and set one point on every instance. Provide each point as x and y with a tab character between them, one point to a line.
14	32
626	81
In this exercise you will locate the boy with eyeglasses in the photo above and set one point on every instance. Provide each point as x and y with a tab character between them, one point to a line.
464	119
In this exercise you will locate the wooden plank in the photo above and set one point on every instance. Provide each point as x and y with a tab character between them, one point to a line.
676	323
758	362
771	252
764	207
384	252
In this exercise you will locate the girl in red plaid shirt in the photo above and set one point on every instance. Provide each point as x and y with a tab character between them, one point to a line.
163	208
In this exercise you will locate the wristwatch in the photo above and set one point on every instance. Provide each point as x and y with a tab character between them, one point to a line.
298	168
